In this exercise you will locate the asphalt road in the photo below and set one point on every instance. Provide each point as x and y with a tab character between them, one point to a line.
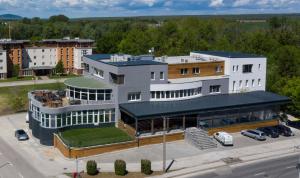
276	168
13	165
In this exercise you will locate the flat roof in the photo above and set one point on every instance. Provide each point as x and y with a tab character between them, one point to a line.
229	54
97	57
14	41
86	82
152	109
135	63
67	40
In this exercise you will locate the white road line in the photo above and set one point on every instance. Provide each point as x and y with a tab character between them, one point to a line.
260	173
289	167
21	176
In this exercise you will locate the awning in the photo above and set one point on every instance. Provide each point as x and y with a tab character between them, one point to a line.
152	109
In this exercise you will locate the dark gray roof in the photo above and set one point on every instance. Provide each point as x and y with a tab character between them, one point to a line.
228	54
205	103
135	63
97	57
67	40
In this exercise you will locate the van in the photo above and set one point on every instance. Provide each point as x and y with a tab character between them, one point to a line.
224	138
255	134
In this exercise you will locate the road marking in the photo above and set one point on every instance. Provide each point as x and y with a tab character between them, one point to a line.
289	167
21	176
260	173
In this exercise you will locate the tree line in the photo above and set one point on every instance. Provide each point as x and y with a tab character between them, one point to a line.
278	39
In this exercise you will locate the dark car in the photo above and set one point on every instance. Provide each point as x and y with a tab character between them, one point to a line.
295	124
284	130
269	131
21	135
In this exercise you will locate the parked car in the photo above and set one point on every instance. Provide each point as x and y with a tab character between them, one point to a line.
269	131
284	130
255	134
295	124
224	138
21	135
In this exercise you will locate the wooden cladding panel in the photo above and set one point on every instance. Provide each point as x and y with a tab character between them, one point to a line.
206	69
239	127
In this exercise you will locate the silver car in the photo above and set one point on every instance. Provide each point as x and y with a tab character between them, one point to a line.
21	135
255	134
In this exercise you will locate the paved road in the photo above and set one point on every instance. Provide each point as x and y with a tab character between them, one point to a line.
13	165
276	168
30	82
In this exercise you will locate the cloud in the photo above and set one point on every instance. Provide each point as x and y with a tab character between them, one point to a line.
83	8
216	3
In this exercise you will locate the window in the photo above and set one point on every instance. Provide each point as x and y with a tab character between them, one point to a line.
247	68
233	68
184	71
117	79
34	63
196	70
214	88
152	76
99	73
247	83
43	63
259	82
233	86
218	68
34	57
252	82
237	68
240	83
43	50
259	67
161	75
136	96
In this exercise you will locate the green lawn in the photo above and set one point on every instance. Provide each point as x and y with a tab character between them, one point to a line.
9	94
13	79
94	136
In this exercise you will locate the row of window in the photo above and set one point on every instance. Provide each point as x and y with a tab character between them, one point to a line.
161	75
73	117
247	68
246	83
77	118
196	70
89	94
175	93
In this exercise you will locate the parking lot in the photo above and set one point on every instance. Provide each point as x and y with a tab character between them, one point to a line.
50	161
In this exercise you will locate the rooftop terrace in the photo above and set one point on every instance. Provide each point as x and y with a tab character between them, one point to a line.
85	82
228	54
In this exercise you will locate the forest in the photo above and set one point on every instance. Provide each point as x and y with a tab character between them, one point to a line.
277	38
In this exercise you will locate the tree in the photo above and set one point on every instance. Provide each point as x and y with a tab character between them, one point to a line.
18	103
59	18
59	68
16	70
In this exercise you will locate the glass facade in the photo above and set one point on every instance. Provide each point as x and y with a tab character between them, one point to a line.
89	94
73	118
157	95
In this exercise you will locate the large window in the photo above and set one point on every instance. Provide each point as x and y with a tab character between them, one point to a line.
247	68
90	94
218	68
99	73
215	89
117	79
184	71
157	95
136	96
161	76
152	76
196	70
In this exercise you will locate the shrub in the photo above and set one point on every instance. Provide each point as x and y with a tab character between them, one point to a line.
146	166
91	167
120	168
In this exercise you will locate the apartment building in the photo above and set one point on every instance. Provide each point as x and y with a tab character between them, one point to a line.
41	57
139	92
3	64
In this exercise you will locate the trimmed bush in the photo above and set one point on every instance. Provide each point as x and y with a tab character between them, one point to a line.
91	167
120	168
146	166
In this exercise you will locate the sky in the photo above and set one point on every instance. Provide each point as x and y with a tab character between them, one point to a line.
113	8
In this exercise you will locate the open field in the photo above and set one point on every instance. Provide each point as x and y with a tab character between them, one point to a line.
94	136
8	96
13	79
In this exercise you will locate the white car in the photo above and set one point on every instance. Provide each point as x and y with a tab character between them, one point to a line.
224	138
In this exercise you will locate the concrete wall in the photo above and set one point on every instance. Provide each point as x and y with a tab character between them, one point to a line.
78	54
39	57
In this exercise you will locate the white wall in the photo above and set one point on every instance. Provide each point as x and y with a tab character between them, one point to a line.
237	76
3	63
78	53
37	57
258	74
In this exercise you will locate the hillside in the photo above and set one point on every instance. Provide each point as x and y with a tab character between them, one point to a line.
10	17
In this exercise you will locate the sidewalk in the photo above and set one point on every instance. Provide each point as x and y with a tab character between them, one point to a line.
30	82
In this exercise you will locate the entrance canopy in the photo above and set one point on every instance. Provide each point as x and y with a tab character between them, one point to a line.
151	109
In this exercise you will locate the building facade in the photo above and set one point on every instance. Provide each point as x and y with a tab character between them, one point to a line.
40	58
3	64
139	91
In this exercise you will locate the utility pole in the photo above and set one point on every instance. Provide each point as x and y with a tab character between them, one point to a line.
164	145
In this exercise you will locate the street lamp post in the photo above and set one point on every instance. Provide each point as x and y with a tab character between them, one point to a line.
164	145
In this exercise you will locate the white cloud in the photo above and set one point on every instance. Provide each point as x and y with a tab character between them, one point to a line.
216	3
239	3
